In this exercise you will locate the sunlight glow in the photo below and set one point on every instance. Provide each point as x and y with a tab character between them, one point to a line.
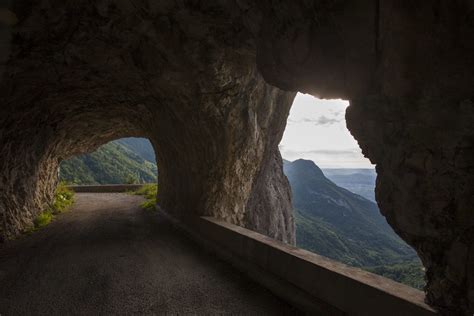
316	130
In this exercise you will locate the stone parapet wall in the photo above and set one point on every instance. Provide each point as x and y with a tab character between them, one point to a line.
105	188
314	284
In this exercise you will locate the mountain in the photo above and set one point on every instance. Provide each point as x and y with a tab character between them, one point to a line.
344	226
140	146
120	161
359	181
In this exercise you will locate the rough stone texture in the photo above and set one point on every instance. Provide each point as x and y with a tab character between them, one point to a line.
186	75
424	154
182	74
408	69
266	208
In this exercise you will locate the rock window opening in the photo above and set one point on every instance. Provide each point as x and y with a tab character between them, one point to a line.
332	183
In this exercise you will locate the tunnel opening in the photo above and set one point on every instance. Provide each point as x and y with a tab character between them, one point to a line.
333	194
130	160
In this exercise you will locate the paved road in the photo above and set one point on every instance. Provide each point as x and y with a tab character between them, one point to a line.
107	256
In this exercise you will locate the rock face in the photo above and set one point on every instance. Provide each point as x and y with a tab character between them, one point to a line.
407	70
194	77
183	76
424	185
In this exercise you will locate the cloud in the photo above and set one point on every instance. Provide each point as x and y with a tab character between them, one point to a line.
303	120
337	113
321	120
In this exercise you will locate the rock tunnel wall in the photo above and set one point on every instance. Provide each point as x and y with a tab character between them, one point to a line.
424	183
182	75
194	77
407	68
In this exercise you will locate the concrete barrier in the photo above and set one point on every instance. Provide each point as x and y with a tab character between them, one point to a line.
313	283
106	188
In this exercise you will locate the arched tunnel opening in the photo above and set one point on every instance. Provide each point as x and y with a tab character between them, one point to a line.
130	160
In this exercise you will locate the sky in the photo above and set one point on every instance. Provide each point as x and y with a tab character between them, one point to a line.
316	130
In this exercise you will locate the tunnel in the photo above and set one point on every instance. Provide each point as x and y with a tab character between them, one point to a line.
211	84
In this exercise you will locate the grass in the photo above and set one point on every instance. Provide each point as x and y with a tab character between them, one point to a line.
43	219
149	192
149	205
63	199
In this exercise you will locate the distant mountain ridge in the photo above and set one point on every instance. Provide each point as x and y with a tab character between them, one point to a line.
359	181
339	224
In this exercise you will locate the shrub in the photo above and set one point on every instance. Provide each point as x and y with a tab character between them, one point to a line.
149	191
149	204
43	219
131	179
63	199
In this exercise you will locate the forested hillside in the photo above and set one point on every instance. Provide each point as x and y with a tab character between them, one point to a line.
115	162
347	227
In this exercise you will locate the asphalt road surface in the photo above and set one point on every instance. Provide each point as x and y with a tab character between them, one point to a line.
108	256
